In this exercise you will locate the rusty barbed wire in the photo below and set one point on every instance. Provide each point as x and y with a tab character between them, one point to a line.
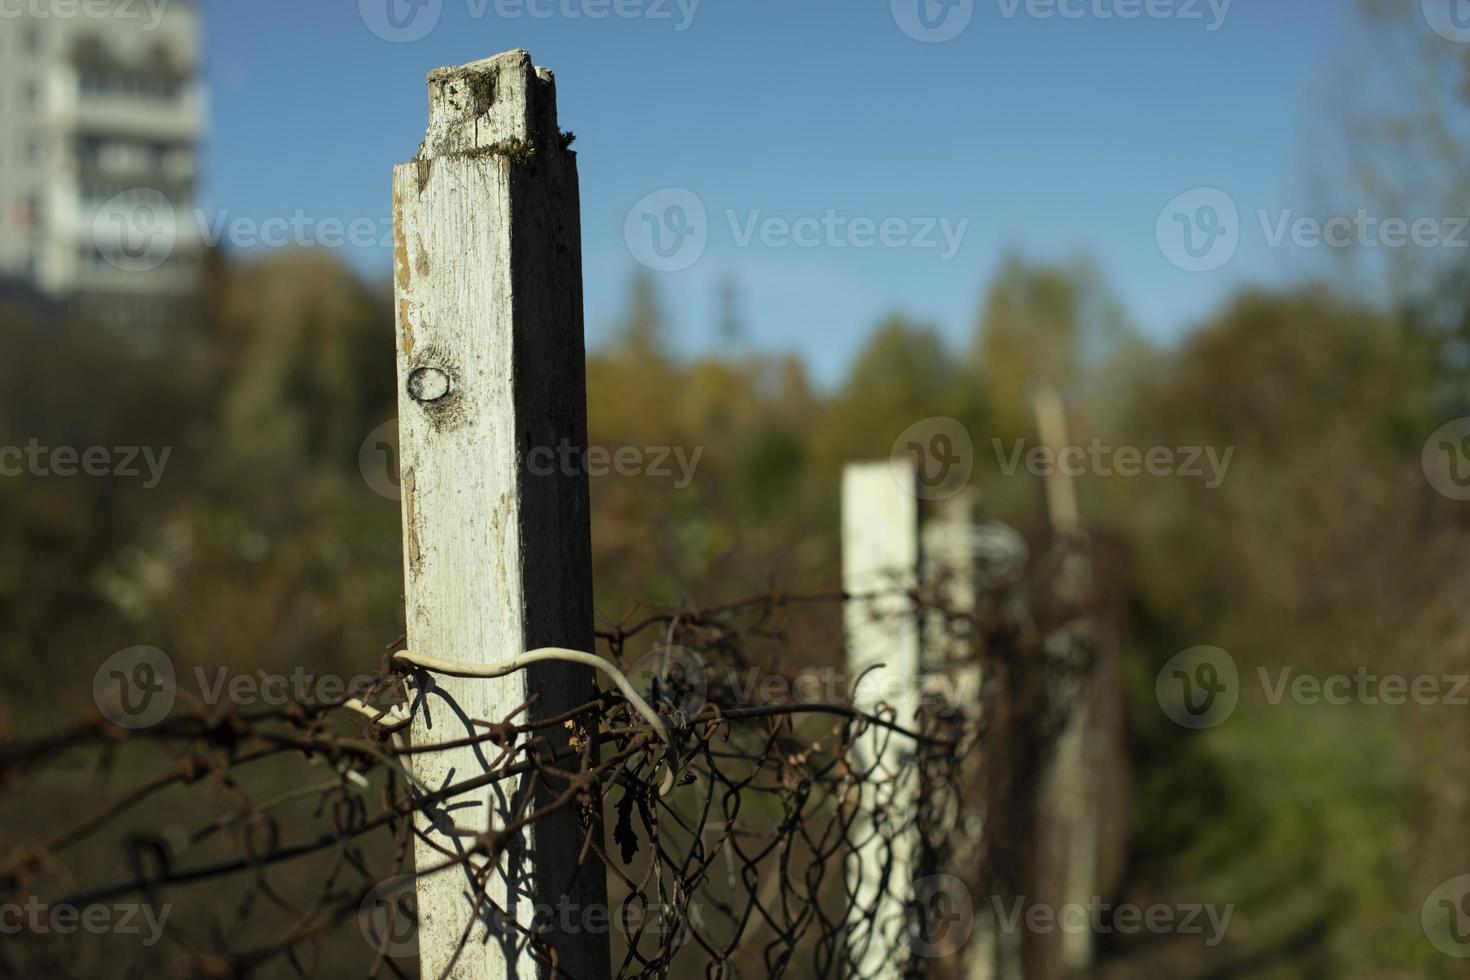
278	841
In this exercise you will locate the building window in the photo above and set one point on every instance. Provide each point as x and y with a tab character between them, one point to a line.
88	48
148	86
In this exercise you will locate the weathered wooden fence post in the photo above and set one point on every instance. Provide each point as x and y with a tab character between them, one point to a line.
497	553
880	558
949	566
1069	846
1061	492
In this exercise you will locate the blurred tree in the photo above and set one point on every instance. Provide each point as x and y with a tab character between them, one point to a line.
1403	149
1044	326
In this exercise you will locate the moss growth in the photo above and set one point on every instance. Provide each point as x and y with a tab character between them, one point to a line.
482	91
514	149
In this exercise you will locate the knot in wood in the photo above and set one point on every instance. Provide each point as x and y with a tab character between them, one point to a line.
426	385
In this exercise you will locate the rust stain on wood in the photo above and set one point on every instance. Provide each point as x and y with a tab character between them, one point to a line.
411	518
402	273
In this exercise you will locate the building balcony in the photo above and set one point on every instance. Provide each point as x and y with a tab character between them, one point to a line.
118	115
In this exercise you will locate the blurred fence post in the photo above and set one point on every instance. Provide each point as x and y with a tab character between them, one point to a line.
497	553
949	546
880	559
1068	852
1061	492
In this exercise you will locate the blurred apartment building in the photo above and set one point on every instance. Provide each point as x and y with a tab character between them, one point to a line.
103	109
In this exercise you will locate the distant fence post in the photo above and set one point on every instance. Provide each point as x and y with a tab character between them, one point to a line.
1069	846
880	557
497	554
950	565
1061	492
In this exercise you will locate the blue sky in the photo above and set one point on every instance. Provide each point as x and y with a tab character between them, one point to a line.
1049	135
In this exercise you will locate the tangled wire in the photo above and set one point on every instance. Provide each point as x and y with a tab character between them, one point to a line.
737	808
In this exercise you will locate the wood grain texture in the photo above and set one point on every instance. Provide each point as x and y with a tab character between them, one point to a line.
497	559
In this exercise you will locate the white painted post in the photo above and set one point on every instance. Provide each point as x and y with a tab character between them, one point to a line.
497	553
880	555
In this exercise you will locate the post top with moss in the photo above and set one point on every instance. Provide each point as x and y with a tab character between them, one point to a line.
499	104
